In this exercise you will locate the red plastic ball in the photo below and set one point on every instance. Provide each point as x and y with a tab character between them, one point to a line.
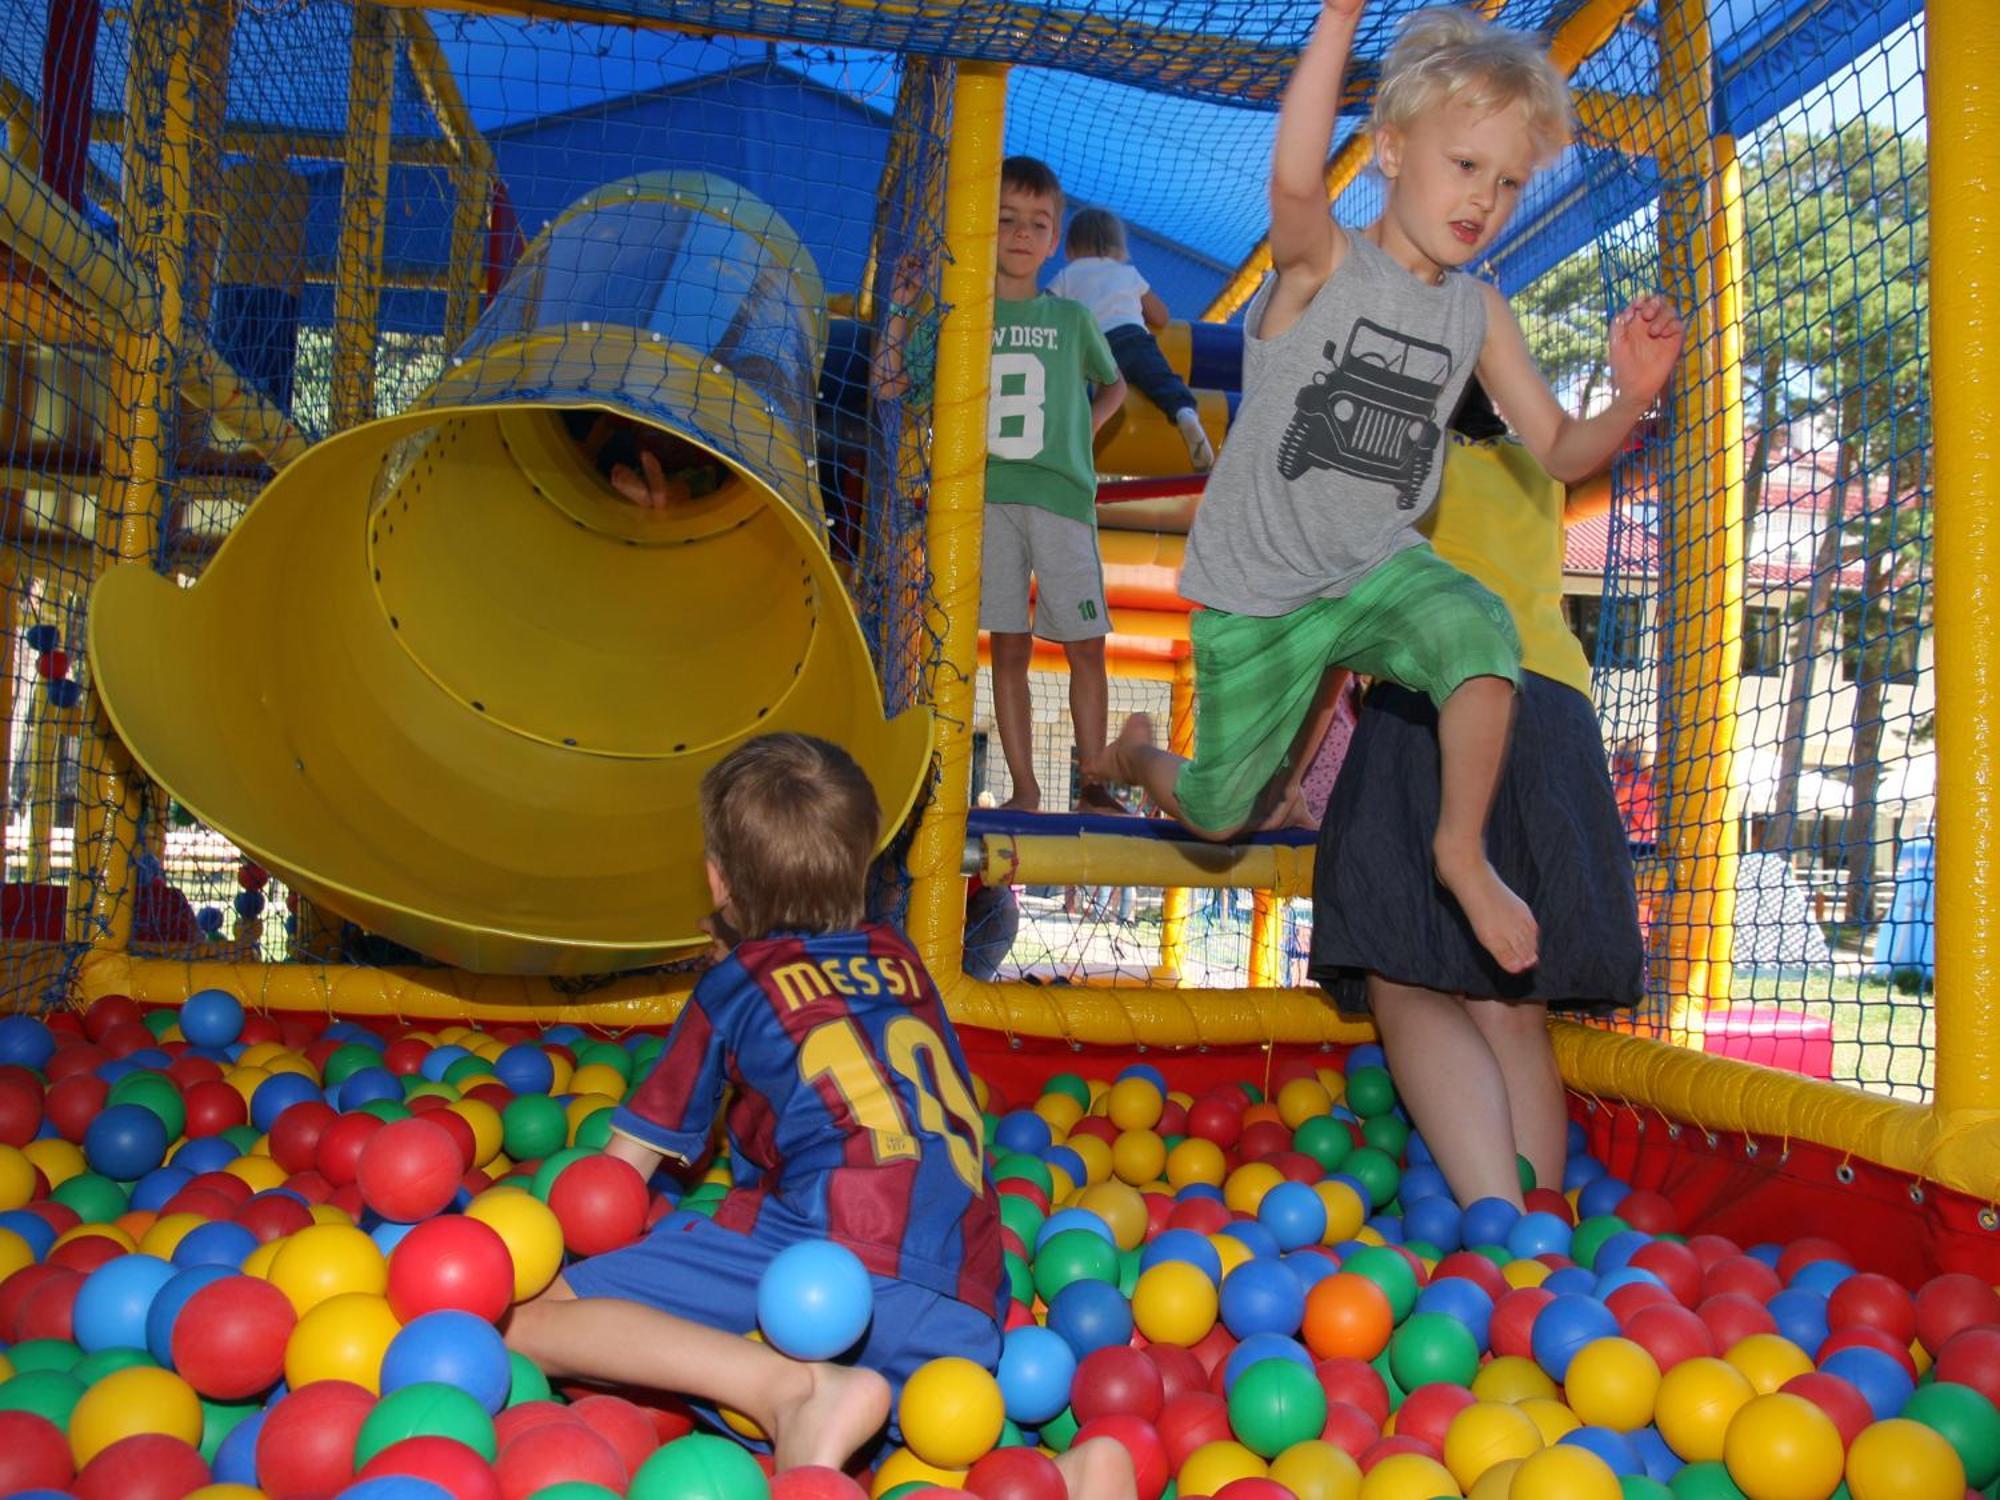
1357	1383
52	665
1350	1429
1296	1166
1469	1265
1806	1249
273	1216
451	1262
1427	1411
1098	1126
213	1108
49	1310
234	1188
1189	1421
1649	1212
20	1106
1137	1438
295	1133
1003	1474
107	1011
1868	1300
1252	1488
1117	1379
1670	1333
1214	1348
34	1454
77	1100
203	1201
75	1058
1180	1370
1548	1201
1262	1139
1972	1357
626	1427
1862	1337
1214	1119
306	1446
259	1028
1202	1215
1744	1275
58	1216
454	1468
338	1154
229	1340
1732	1317
1514	1320
1675	1265
310	1186
600	1202
515	1420
459	1128
145	1466
1628	1299
14	1294
86	1253
252	876
1389	1447
405	1055
187	1070
409	1169
124	1039
1844	1405
1953	1302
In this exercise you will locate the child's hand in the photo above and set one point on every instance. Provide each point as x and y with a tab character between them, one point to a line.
1645	346
648	486
908	282
1347	12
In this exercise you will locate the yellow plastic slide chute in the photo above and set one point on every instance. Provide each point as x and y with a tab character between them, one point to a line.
447	684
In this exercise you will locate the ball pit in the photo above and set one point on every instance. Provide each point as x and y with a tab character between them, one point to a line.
244	1258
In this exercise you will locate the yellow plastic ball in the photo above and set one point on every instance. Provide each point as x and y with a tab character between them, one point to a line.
1484	1434
904	1467
164	1235
1301	1100
1768	1360
1121	1208
1782	1447
581	1108
1213	1465
59	1159
1520	1273
1059	1112
1698	1399
598	1078
1099	1091
1903	1460
128	1402
260	1172
951	1412
327	1213
1408	1476
1368	1234
260	1054
1245	1188
1135	1104
1196	1161
1510	1378
258	1262
1564	1473
109	1232
1495	1482
291	1062
1138	1156
1174	1302
1613	1382
15	1252
342	1338
1232	1250
17	1178
1552	1417
531	1232
1096	1156
245	1080
1062	1186
327	1260
487	1130
1317	1470
226	1492
1345	1212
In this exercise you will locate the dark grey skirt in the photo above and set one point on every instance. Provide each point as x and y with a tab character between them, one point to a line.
1554	836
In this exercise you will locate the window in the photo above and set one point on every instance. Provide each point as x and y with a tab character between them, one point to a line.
1763	641
1892	627
1612	630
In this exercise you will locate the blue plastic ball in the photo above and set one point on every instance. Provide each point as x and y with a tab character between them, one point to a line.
1091	1315
1311	1267
815	1300
36	1230
1367	1055
1434	1220
220	1243
1036	1368
394	1487
125	1142
525	1069
450	1348
1262	1346
1534	1234
1294	1214
212	1018
64	692
1614	1447
438	1061
1262	1296
249	904
1801	1317
1565	1326
1601	1195
1661	1462
1465	1301
1580	1172
210	919
152	1191
1487	1221
1821	1276
1883	1382
1183	1244
167	1306
1069	1160
1623	1276
277	1094
25	1041
1146	1071
1615	1253
1023	1130
112	1304
1064	1219
1570	1281
1254	1236
366	1086
210	1153
1423	1181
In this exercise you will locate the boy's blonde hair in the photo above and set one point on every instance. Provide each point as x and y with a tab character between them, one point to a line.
1446	53
791	821
1095	232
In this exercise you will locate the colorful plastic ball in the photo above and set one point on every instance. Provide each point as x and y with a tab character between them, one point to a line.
1036	1371
125	1142
1347	1317
111	1308
531	1233
1142	1445
1274	1404
1883	1383
1698	1399
1903	1460
34	1454
1564	1326
601	1203
951	1412
410	1169
450	1348
1781	1447
306	1443
344	1338
1092	1314
395	1487
229	1341
168	1302
1615	1448
1117	1380
1294	1214
1261	1346
1406	1476
450	1262
1965	1419
1432	1348
451	1467
325	1261
1004	1474
145	1466
1536	1234
211	1018
1463	1300
1317	1470
1613	1382
1488	1221
561	1453
427	1410
1565	1472
1951	1303
131	1401
1262	1296
699	1468
814	1300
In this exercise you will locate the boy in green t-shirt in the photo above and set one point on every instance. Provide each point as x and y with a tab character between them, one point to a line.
1041	480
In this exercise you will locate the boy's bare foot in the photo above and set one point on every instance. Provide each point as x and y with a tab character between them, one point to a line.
1200	452
1096	797
1025	799
1500	919
1290	812
838	1409
1116	763
1098	1469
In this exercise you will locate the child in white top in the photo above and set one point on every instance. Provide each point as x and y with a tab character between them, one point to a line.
1101	276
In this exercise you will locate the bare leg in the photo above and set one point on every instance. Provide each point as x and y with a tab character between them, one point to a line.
1014	710
1452	1085
1472	747
1134	760
1098	1469
1089	709
1518	1034
813	1413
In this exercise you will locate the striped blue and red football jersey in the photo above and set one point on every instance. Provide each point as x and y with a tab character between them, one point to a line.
852	1118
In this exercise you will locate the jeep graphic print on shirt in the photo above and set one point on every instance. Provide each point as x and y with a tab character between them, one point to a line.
1375	414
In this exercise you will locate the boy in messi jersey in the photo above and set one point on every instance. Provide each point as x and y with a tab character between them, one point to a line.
852	1120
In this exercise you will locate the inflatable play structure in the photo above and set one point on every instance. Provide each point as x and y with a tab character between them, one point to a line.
323	622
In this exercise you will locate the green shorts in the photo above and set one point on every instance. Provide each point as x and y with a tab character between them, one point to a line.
1415	620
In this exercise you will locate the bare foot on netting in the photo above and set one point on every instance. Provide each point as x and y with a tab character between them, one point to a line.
1117	762
1025	799
1500	919
838	1410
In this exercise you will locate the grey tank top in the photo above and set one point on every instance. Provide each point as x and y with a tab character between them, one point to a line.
1334	454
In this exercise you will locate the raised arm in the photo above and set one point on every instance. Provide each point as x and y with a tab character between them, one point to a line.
887	377
1305	243
1645	347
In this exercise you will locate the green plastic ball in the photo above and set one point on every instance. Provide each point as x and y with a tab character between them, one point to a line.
347	1061
1639	1487
1380	1365
156	1092
1967	1420
95	1199
1070	1084
1432	1348
1060	1431
1325	1139
1074	1255
219	1419
574	1489
1370	1092
594	1134
1274	1404
1589	1237
243	1137
531	1126
46	1393
1012	1166
461	1074
427	1409
94	1367
157	1021
699	1467
1020	1280
44	1354
529	1383
1705	1481
1388	1270
1374	1170
552	1167
610	1054
1389	1134
1020	1215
